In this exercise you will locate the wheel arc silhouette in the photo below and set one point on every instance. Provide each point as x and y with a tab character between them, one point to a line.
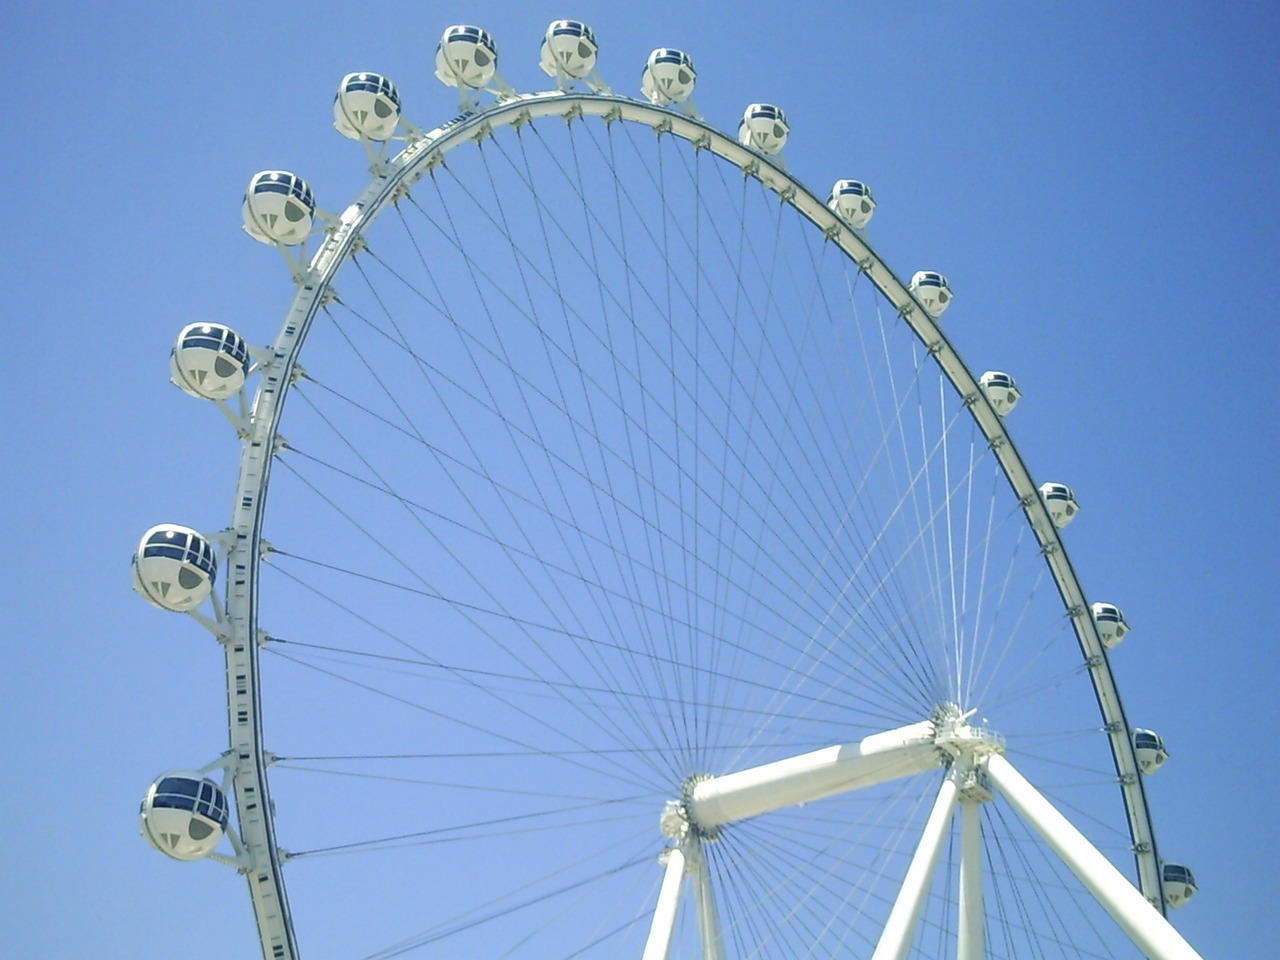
278	373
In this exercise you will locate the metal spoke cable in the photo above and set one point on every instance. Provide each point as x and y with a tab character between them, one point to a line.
426	590
620	460
432	666
496	909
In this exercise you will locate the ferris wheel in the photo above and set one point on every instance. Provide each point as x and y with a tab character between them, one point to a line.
624	563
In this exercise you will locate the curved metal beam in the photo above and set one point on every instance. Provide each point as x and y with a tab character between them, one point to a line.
419	157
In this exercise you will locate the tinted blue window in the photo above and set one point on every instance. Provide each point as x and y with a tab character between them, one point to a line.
172	551
171	802
178	785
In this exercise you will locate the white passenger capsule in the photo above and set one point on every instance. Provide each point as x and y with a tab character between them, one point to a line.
1111	623
1149	747
852	202
366	106
763	127
1061	503
1179	884
174	567
932	290
668	77
1000	390
184	815
209	361
466	56
569	48
278	207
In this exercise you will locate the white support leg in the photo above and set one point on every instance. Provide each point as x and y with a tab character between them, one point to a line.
708	918
1143	923
664	914
900	928
972	932
811	776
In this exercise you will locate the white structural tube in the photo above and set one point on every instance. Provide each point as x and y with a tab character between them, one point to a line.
703	897
784	783
972	933
1144	924
900	928
664	914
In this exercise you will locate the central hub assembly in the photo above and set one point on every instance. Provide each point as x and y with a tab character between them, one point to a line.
966	745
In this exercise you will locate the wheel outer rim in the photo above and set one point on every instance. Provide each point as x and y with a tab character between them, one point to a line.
252	799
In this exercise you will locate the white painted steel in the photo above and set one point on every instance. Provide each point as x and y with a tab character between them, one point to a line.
704	897
663	923
811	776
1148	929
420	156
900	928
972	932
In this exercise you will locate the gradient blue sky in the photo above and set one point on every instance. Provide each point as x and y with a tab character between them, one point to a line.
1098	180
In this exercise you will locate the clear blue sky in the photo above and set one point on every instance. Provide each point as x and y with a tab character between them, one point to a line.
1098	180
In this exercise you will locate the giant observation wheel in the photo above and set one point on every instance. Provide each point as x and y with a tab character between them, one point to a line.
630	566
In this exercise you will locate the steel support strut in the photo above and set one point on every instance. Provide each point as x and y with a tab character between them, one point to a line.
811	776
971	933
704	897
1144	924
664	914
900	928
688	857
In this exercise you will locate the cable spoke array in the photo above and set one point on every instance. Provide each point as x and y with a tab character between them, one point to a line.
606	472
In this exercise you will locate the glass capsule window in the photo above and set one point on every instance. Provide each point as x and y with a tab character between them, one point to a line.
372	83
271	186
470	33
174	787
678	57
572	28
200	797
212	803
289	186
183	546
222	339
